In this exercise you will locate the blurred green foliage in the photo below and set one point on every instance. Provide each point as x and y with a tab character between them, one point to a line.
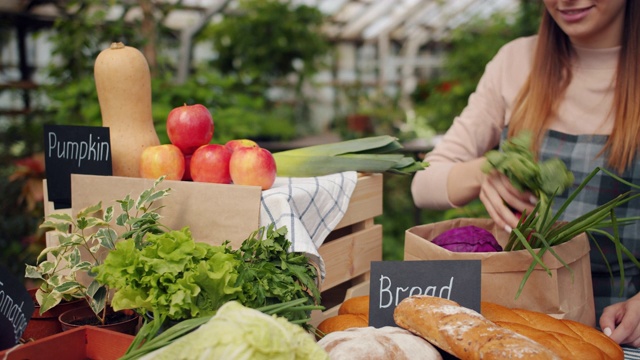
264	41
20	239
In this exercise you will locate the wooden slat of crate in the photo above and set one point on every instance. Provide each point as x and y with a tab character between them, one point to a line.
350	256
365	202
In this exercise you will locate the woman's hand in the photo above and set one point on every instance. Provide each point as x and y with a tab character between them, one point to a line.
621	321
503	202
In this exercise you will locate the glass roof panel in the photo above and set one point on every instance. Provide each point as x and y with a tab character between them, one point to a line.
348	20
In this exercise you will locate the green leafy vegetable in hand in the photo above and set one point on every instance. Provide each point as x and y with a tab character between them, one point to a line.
517	162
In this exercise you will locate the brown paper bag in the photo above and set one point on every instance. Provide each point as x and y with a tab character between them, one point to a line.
561	295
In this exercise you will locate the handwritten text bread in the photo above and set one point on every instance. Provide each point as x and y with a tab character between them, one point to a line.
569	339
463	332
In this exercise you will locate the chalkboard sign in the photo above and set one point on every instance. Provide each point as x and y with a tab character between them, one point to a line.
16	308
392	281
74	150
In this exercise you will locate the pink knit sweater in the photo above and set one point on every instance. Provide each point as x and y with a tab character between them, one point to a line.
585	110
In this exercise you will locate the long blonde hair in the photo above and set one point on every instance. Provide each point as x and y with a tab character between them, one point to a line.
541	94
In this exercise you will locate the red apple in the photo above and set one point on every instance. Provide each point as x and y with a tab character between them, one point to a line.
189	127
237	143
162	160
253	166
210	163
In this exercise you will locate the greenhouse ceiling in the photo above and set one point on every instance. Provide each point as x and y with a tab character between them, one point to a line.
348	20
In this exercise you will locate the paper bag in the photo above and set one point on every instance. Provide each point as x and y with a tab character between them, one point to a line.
566	294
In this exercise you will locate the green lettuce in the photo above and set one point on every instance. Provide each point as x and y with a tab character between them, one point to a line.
238	332
172	276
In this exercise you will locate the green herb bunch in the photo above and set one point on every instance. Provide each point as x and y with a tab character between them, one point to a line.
65	269
269	274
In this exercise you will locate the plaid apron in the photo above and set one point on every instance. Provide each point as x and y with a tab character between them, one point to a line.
579	153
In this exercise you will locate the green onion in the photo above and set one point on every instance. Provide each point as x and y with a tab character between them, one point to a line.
544	231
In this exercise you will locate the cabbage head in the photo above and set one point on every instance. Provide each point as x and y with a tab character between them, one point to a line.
238	332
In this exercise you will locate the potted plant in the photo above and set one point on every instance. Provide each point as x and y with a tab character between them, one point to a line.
44	324
66	269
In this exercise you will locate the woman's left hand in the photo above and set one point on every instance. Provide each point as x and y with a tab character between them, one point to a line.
621	321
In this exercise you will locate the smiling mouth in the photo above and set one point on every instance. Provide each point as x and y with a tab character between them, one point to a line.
574	11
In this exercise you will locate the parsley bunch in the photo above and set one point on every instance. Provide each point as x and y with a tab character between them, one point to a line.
269	274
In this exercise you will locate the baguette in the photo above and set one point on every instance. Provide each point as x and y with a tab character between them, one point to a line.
581	341
464	333
566	346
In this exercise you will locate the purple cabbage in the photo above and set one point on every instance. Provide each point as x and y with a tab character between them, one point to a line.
468	238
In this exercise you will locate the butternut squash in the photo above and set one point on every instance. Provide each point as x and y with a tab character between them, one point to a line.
123	84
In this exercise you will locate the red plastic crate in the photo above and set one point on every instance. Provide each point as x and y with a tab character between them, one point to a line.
82	343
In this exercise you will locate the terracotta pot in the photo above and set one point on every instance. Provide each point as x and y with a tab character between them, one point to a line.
123	321
41	326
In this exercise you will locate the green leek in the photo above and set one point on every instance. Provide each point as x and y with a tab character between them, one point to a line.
376	154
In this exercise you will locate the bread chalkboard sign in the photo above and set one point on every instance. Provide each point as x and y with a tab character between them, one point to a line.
74	150
392	281
16	308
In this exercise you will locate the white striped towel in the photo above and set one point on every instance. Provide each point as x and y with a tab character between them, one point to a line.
631	353
310	208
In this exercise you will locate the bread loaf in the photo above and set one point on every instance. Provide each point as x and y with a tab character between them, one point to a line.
358	305
569	339
342	322
353	312
463	332
369	343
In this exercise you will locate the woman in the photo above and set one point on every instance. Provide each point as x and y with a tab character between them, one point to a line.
576	87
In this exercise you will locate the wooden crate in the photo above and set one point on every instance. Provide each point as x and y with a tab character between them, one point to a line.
349	249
